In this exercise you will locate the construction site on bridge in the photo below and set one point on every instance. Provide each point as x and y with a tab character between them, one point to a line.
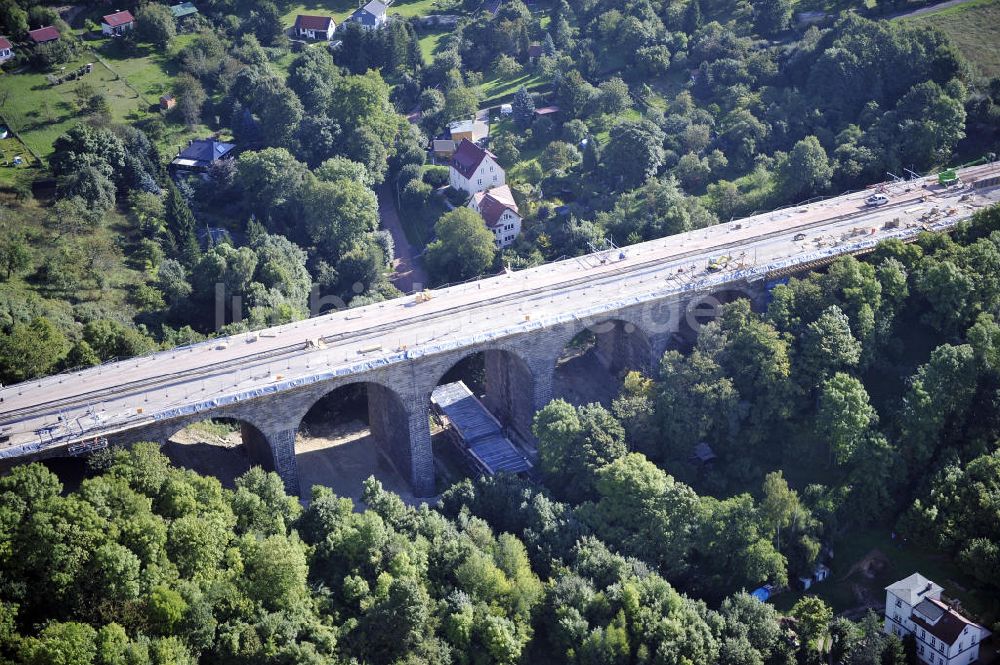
82	408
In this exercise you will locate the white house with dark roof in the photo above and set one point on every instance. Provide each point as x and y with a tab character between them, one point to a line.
499	210
913	606
314	27
371	16
474	169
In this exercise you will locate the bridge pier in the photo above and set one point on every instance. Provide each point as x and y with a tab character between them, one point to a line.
622	346
510	390
400	427
420	456
545	378
282	444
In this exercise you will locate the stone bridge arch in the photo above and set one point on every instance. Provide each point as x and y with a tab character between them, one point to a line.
703	308
259	442
390	419
620	340
511	382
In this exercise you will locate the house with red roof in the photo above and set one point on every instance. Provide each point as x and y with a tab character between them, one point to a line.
6	49
117	24
913	606
43	35
314	27
474	169
499	210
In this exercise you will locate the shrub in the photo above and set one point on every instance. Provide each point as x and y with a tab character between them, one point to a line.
436	176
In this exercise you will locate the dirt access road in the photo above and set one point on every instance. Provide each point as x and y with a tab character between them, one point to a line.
409	274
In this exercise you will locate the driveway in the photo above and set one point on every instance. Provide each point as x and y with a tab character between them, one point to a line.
408	271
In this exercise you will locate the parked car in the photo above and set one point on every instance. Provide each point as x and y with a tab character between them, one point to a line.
876	200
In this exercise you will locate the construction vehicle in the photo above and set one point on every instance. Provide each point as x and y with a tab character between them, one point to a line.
948	178
718	263
423	296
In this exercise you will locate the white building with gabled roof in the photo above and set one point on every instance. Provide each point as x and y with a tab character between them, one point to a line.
474	169
499	210
913	606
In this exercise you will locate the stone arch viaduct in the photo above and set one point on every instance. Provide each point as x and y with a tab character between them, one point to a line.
519	380
635	300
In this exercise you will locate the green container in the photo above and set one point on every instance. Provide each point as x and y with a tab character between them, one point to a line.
948	177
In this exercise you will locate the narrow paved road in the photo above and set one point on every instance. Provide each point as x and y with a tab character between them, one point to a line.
409	272
929	9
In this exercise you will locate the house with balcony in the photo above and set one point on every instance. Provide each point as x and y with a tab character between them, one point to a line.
913	606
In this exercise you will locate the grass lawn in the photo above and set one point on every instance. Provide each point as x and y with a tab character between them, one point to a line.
10	148
338	9
152	73
148	70
42	112
410	8
496	89
974	27
429	41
